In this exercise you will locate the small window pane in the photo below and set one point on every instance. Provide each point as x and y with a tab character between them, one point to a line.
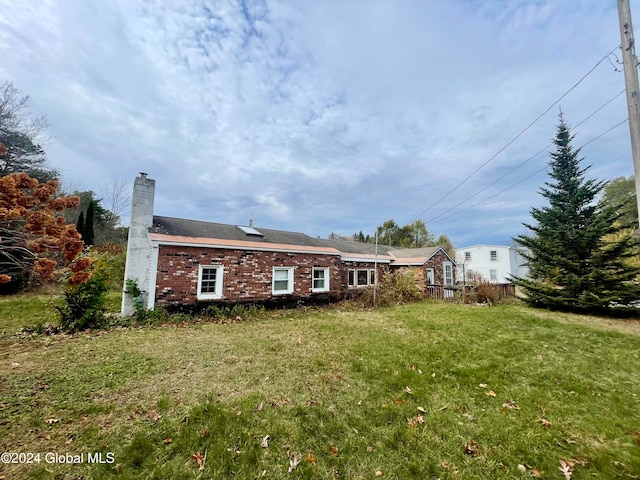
281	285
208	280
363	277
352	278
281	274
494	255
467	255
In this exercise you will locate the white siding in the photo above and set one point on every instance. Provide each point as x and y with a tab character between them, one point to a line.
506	262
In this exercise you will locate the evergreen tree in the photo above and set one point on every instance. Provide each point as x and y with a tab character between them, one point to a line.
572	264
80	224
88	234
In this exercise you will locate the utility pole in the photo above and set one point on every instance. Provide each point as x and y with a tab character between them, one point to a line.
630	63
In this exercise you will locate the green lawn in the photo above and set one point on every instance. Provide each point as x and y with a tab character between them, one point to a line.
420	391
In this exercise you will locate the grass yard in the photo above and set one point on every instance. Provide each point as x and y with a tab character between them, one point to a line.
420	391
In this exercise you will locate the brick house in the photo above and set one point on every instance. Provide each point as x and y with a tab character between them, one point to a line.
185	262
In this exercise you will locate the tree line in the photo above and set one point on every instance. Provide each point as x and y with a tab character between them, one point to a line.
412	235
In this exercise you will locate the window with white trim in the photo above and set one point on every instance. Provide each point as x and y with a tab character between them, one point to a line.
282	280
467	256
320	279
447	271
210	282
431	278
362	277
493	275
493	255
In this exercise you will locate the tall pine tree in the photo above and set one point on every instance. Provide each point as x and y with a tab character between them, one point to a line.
572	264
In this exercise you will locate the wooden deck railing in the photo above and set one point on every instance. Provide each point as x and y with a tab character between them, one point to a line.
465	293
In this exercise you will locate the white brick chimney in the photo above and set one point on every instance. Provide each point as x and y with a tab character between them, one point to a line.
139	250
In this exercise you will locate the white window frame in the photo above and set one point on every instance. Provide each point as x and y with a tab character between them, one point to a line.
493	275
493	255
353	277
217	293
325	278
430	276
467	256
289	289
447	280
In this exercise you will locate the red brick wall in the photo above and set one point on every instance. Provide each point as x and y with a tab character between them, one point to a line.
247	274
435	262
420	272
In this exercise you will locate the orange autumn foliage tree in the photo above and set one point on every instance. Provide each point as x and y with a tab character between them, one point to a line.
34	237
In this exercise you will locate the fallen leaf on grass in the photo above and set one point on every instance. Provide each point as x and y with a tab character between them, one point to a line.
471	449
200	459
379	473
637	435
293	463
399	401
265	441
407	389
310	458
153	416
369	448
260	407
509	405
333	450
468	416
167	440
490	393
536	473
204	432
545	422
483	385
422	410
51	421
445	465
566	467
415	421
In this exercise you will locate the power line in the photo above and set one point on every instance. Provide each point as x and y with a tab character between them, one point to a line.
521	163
528	176
606	57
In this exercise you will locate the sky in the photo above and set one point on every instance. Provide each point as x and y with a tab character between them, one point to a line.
324	116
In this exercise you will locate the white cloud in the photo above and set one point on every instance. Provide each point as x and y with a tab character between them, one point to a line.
318	116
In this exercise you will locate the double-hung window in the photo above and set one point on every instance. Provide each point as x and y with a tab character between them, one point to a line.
210	282
493	254
320	279
447	272
282	280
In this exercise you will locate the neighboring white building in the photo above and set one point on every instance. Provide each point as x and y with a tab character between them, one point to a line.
496	264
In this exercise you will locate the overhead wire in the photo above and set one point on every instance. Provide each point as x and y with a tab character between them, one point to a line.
575	85
528	176
521	164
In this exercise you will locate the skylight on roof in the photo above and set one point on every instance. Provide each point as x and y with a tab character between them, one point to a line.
250	231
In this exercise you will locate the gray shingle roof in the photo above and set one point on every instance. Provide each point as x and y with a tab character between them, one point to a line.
199	229
196	228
